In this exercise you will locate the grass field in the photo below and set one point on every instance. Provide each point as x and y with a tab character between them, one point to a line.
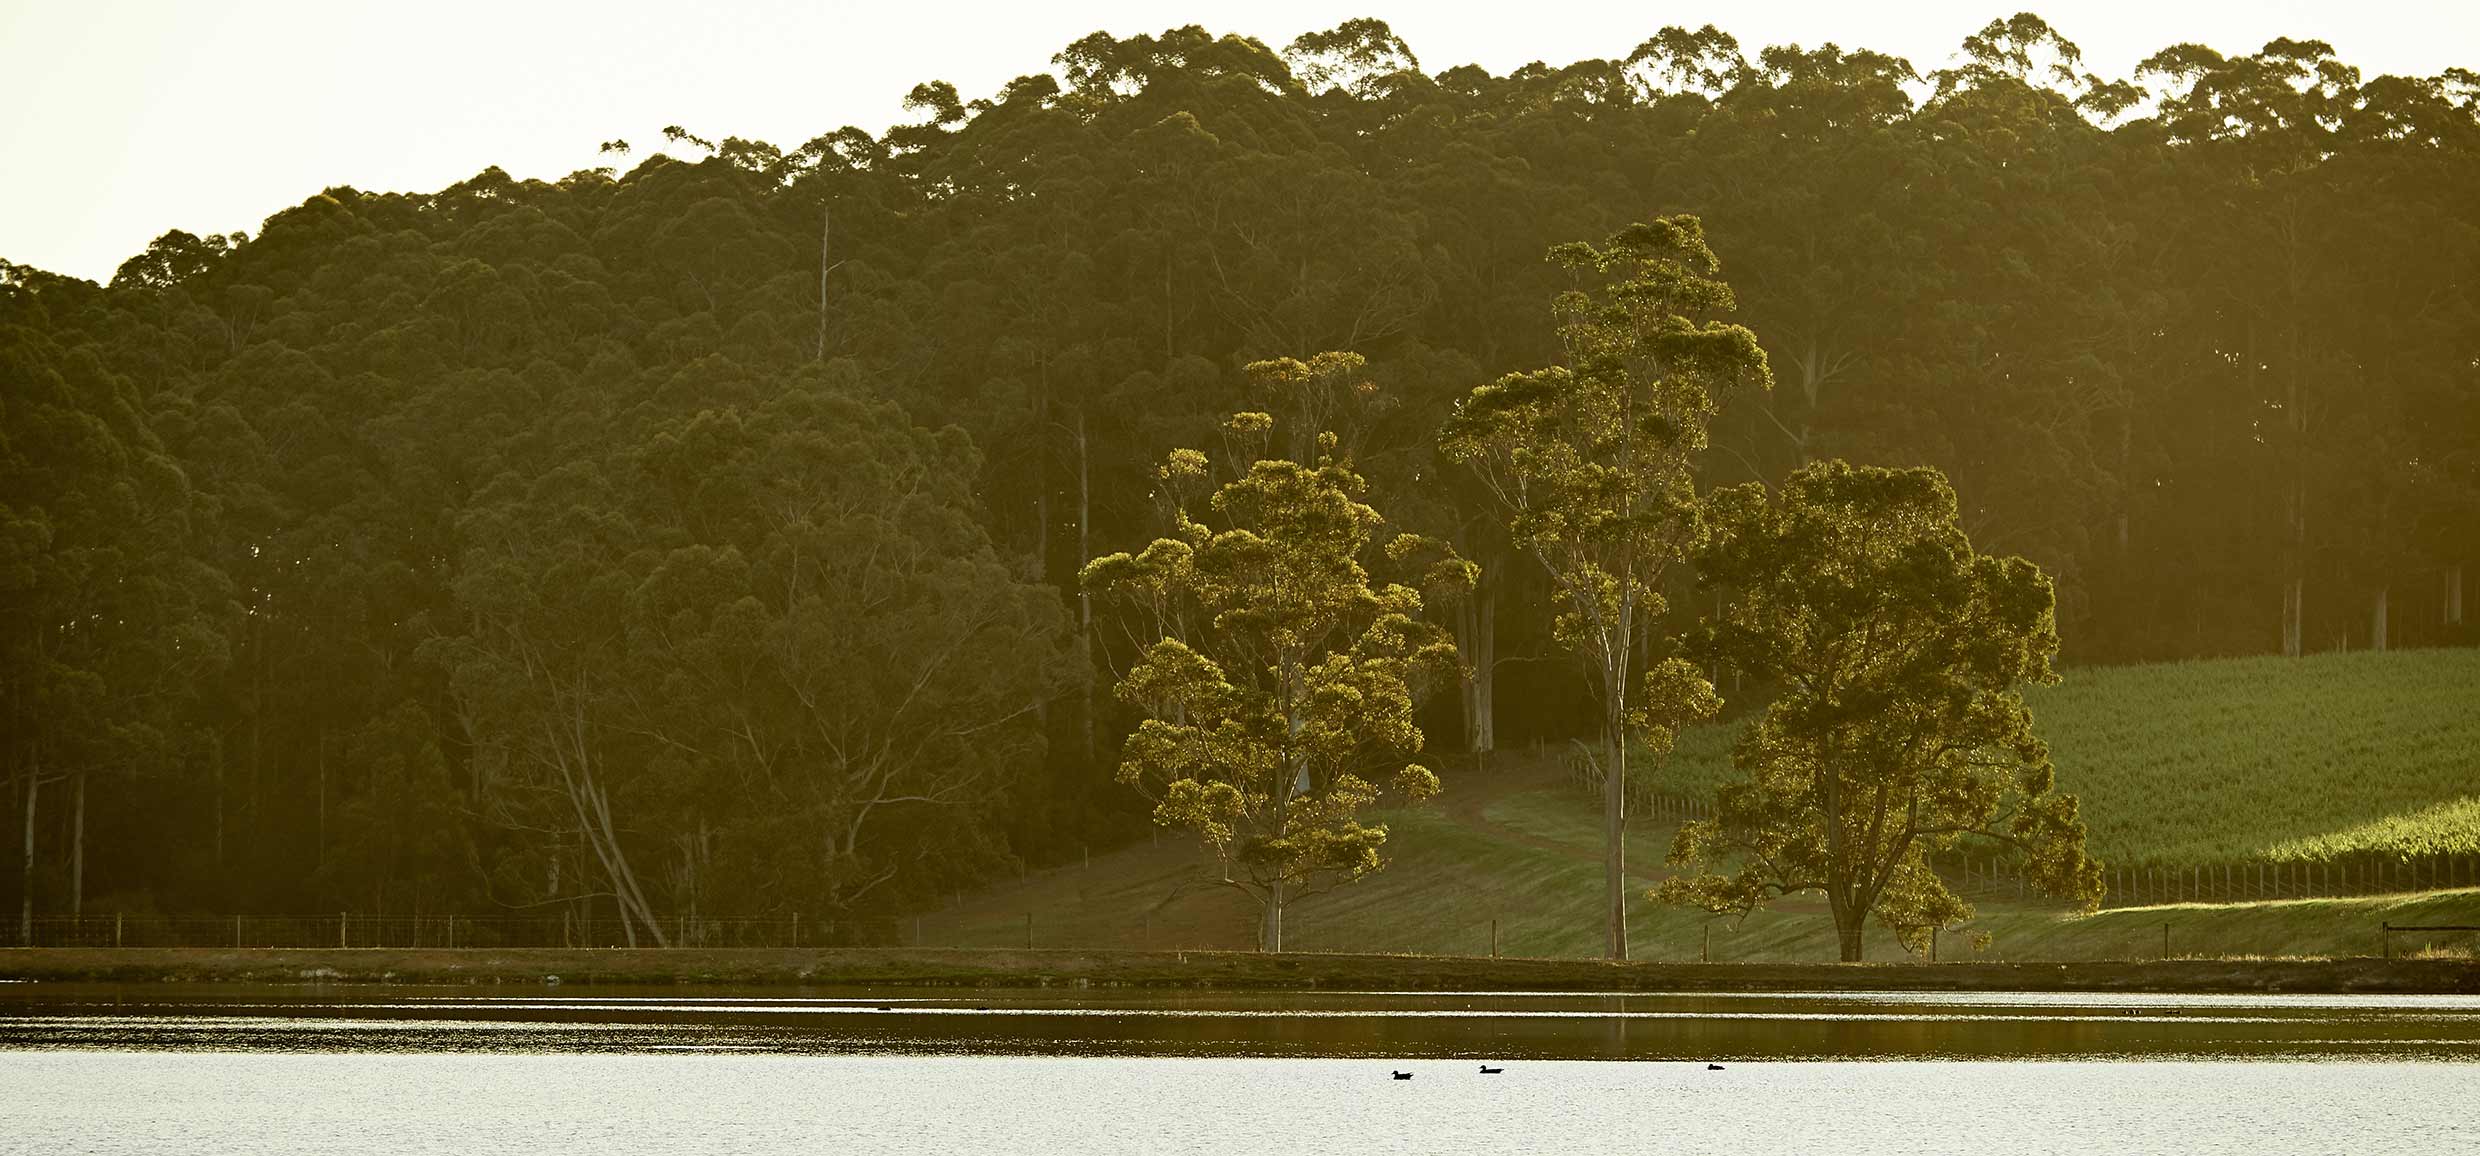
2194	762
1517	844
2248	759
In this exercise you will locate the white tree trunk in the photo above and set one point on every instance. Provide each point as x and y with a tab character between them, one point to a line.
1084	597
25	902
1272	938
1614	825
1485	673
1476	628
77	851
2293	599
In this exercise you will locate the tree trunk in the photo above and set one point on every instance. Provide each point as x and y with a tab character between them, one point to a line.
1467	625
219	801
1485	671
2294	597
77	851
258	715
2376	622
1084	597
1614	822
1843	897
1475	628
2454	595
593	808
25	900
2126	471
1272	939
824	269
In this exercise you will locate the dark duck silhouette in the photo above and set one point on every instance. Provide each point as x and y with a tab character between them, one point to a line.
1403	1075
1487	1070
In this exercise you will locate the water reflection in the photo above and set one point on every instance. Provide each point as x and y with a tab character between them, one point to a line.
1520	1025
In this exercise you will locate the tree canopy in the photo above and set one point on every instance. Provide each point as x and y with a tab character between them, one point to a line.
283	515
1593	463
1899	726
1276	676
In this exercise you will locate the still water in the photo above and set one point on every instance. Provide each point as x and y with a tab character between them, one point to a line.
151	1068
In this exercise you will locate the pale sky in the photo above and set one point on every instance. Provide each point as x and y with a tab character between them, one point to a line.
121	119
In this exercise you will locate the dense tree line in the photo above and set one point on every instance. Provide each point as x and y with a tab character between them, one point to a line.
703	538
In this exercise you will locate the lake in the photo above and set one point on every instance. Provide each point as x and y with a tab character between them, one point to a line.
182	1068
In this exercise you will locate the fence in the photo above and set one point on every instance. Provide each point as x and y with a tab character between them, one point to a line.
349	930
1644	801
2234	882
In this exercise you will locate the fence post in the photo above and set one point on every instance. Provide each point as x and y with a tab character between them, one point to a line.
452	931
2388	935
796	929
1705	953
344	921
1028	931
2165	939
116	929
1494	937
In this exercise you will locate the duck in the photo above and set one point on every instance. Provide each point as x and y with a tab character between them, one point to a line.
1487	1070
1713	1067
1403	1075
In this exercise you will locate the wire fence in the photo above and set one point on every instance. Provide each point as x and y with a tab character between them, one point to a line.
1982	878
2246	882
1644	800
348	930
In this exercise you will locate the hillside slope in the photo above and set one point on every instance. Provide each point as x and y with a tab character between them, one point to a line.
2183	763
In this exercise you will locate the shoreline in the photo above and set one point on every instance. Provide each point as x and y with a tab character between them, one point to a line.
1216	970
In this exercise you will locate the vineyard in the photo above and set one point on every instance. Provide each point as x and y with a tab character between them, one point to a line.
2358	762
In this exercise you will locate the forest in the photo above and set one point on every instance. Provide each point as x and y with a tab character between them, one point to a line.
701	535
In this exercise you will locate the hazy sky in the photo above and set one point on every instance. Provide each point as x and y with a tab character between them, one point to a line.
121	119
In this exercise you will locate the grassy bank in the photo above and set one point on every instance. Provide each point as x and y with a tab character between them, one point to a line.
1217	970
1516	845
2236	760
